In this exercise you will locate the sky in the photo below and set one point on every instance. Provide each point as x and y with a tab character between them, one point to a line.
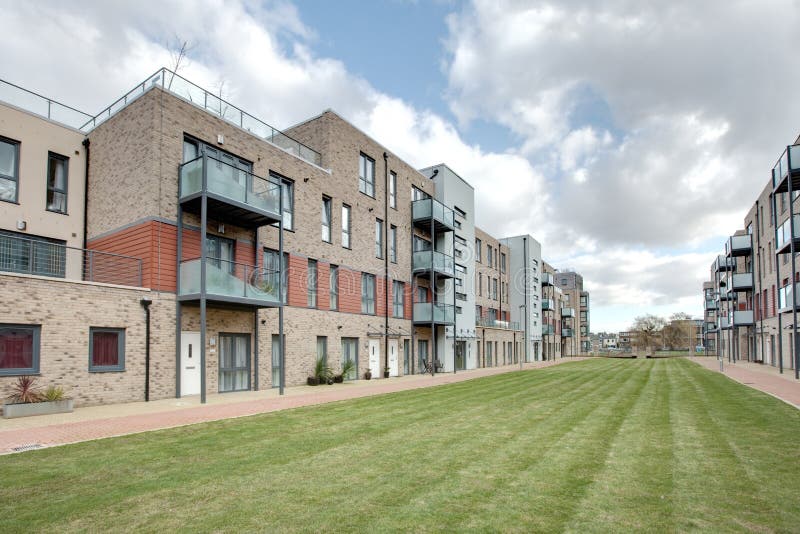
629	138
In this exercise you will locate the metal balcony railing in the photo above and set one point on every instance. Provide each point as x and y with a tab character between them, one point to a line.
566	332
785	297
567	312
42	106
230	182
183	88
495	323
783	234
429	312
739	245
781	168
547	279
548	330
230	280
425	260
44	258
425	208
724	263
548	305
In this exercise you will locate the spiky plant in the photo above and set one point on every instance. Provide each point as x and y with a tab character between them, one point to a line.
25	390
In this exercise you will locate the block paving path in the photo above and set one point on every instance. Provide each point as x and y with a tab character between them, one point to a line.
98	422
757	376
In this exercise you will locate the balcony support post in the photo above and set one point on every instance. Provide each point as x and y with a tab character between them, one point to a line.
203	257
777	285
179	241
795	345
433	297
282	267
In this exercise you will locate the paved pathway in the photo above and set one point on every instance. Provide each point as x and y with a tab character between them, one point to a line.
115	420
762	377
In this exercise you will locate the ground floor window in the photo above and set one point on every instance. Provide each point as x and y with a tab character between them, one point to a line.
350	353
234	362
460	350
422	355
488	354
406	357
19	349
276	360
322	348
106	349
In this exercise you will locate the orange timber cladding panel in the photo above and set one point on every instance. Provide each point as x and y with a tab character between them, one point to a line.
155	243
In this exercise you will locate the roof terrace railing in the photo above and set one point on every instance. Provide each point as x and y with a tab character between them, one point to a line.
183	88
42	106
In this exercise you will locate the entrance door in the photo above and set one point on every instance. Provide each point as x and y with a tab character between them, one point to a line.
375	357
190	363
394	364
461	353
406	357
234	362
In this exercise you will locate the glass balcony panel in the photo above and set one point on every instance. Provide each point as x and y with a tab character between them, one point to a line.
229	279
434	312
742	281
784	231
548	304
424	208
423	260
794	151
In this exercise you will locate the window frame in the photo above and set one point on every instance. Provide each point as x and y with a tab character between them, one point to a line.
393	189
31	264
283	270
35	350
326	218
312	284
120	366
333	288
367	184
347	228
15	178
478	253
51	156
398	289
368	293
393	243
379	239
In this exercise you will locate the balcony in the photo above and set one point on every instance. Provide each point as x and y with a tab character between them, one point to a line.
233	194
567	312
785	298
429	312
785	168
742	282
743	318
724	324
427	262
783	234
548	280
548	305
724	263
711	304
566	332
211	103
739	245
231	283
710	328
726	294
494	323
548	330
428	210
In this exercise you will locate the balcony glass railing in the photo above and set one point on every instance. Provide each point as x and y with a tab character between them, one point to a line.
183	88
42	106
724	263
785	297
425	208
739	244
547	279
711	304
567	312
494	323
228	181
566	332
438	261
548	305
742	317
227	279
781	169
548	330
429	312
724	323
742	281
784	232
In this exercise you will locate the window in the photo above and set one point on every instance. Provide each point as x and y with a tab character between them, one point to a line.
422	294
422	355
378	238
345	226
398	288
287	197
421	244
106	349
326	219
502	262
234	362
366	175
480	284
418	194
393	190
393	243
489	255
19	349
276	359
478	250
460	240
57	167
478	311
494	288
461	213
9	169
220	252
22	253
276	272
350	354
334	305
312	283
368	293
322	349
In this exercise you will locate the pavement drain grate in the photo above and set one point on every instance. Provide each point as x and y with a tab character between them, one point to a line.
28	447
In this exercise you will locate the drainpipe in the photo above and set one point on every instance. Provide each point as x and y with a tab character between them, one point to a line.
86	144
386	260
146	302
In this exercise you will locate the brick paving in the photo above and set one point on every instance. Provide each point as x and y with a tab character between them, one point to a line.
758	376
98	422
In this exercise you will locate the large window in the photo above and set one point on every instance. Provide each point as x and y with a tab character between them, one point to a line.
234	362
312	283
287	194
276	359
366	175
393	243
322	348
393	190
494	288
9	169
418	194
57	169
368	293
106	349
345	226
398	288
220	251
276	271
350	354
19	349
478	250
334	287
22	253
422	355
326	219
489	255
378	238
502	262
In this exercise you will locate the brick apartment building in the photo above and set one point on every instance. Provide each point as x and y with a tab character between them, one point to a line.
175	245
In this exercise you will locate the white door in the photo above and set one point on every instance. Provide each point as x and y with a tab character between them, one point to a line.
190	363
394	365
375	358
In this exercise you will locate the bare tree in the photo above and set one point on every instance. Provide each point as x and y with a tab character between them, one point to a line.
647	329
178	50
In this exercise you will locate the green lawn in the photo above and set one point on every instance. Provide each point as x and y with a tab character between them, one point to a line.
598	445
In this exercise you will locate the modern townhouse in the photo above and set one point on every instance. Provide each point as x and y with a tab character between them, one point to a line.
750	310
552	325
571	284
176	245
